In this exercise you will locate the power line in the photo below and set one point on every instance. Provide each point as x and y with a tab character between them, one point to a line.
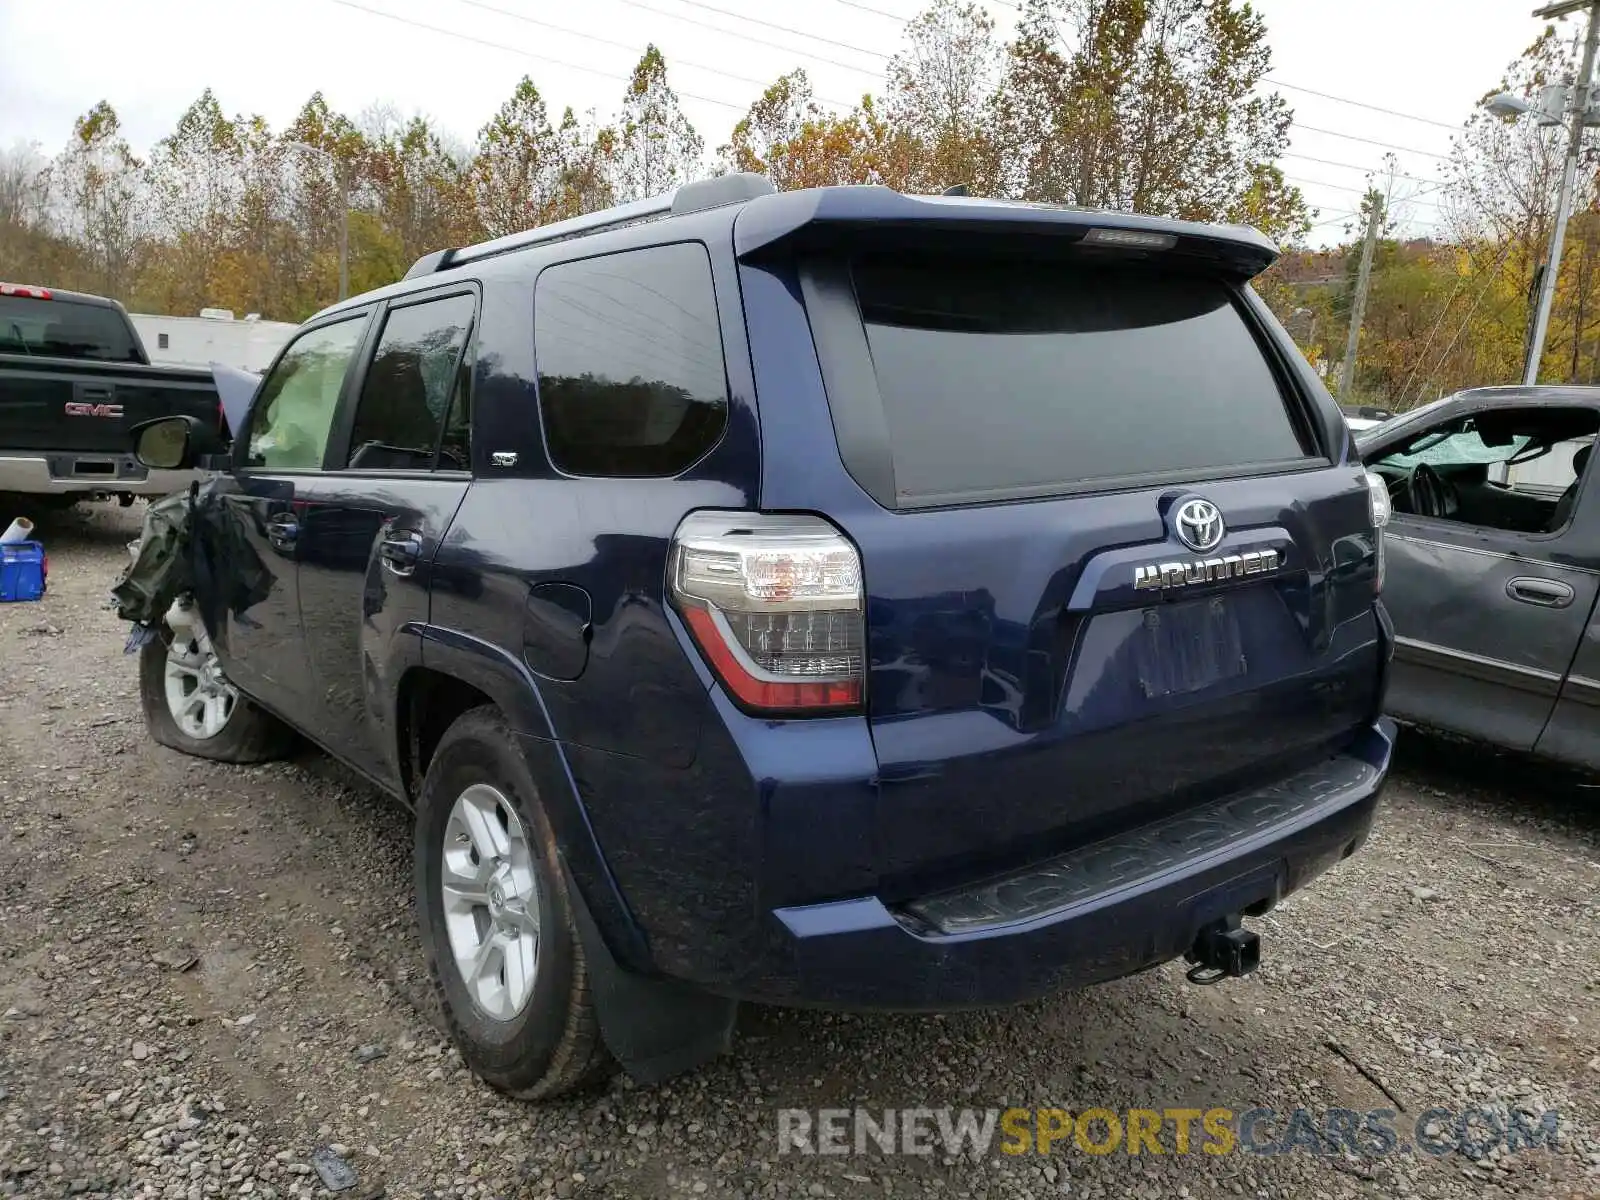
879	12
1389	112
1337	219
751	38
1483	291
1293	87
677	62
1350	137
1330	162
641	5
1461	282
783	28
477	41
1340	187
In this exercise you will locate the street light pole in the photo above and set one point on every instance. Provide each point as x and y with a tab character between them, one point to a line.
1569	175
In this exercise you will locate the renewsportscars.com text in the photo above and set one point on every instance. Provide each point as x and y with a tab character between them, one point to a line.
1373	1133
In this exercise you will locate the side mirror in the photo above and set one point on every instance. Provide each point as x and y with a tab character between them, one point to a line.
172	443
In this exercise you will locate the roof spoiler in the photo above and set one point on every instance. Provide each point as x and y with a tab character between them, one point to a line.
828	218
691	197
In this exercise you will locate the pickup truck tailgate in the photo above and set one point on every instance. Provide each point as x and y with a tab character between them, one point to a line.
80	406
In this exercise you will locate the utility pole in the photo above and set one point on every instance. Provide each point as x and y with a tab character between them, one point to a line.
1358	306
1580	113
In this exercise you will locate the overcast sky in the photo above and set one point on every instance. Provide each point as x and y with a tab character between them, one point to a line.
151	58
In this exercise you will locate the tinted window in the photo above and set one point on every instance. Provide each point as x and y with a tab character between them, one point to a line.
407	394
631	380
1022	379
64	329
293	412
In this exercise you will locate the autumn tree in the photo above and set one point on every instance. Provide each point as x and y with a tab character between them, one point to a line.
657	147
517	171
588	165
196	176
421	187
28	245
101	187
1503	177
763	139
941	94
1152	106
326	165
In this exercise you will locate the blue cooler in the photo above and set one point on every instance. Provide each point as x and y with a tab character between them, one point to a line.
22	570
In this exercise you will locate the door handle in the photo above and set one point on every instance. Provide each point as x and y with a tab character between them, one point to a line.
401	552
283	531
1546	593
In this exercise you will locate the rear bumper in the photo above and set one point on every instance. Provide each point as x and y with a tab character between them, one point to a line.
70	473
1095	914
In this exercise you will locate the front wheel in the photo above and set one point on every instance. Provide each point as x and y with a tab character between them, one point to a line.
497	927
190	706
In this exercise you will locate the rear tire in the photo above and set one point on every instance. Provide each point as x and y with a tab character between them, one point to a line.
232	732
503	950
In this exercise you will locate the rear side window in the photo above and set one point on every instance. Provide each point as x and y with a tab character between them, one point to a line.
1012	379
64	329
631	377
411	387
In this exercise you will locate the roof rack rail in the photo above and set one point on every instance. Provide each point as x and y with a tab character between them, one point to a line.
691	197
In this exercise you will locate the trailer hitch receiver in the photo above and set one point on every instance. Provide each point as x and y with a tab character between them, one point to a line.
1223	950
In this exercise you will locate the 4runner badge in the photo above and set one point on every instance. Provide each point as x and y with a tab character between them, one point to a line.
1160	576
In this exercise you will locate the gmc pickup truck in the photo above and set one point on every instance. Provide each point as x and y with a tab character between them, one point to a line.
74	379
833	597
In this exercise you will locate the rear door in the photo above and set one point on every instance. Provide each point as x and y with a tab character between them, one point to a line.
1111	568
1489	602
371	524
249	551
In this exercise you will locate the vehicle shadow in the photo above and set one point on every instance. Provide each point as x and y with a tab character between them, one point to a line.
1452	773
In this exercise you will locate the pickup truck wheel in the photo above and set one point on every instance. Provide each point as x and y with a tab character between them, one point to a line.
497	927
190	706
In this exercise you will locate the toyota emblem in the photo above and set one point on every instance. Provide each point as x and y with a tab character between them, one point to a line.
1199	525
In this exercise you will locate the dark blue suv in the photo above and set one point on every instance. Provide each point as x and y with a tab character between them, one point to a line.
834	598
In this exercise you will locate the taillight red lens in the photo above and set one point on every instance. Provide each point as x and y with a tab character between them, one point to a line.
775	603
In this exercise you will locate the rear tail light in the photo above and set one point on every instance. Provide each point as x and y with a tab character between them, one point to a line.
1381	509
775	603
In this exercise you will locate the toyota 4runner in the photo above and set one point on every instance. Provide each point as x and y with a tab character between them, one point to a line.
835	597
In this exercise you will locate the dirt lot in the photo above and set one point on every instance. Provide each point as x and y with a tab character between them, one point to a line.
208	972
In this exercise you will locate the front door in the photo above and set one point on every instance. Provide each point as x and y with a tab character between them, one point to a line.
249	543
398	470
1488	597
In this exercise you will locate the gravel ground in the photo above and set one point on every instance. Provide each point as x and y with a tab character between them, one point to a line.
207	973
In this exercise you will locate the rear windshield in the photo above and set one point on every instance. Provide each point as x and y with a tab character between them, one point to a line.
64	329
1011	379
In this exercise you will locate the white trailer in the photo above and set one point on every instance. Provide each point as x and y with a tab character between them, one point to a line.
213	336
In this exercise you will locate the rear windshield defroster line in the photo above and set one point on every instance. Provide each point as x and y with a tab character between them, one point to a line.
1001	379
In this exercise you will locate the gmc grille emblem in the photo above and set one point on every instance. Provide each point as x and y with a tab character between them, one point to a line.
77	408
1161	576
